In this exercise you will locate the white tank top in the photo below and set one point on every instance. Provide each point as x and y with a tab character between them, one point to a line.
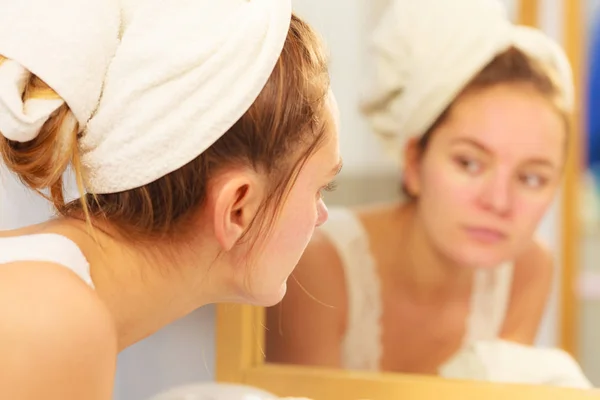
46	247
362	347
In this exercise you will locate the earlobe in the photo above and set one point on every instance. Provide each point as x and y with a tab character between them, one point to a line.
237	199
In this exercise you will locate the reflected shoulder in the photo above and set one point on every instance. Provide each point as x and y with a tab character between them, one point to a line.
320	250
320	274
536	260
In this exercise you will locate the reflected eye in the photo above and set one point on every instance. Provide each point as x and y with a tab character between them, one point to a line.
330	187
470	165
533	180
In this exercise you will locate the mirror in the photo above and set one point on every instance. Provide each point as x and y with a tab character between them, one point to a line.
380	355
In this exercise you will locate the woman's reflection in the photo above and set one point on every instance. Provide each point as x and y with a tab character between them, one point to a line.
476	110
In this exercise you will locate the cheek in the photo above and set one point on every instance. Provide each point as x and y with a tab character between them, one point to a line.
295	226
444	188
529	210
296	232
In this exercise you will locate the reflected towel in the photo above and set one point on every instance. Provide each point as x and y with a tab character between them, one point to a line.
506	362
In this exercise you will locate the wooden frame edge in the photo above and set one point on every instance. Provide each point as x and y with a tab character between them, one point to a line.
240	361
570	232
528	12
315	383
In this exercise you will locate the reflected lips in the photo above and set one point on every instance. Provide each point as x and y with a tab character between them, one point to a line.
485	235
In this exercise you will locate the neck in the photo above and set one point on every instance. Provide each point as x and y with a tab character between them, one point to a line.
426	272
145	289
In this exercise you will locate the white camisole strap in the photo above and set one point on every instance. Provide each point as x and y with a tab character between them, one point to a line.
362	347
47	247
489	303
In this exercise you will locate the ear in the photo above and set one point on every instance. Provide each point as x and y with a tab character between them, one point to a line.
237	199
412	158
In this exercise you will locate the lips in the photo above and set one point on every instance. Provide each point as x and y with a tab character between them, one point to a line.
485	235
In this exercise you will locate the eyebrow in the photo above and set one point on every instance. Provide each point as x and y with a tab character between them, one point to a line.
338	168
542	162
471	142
537	161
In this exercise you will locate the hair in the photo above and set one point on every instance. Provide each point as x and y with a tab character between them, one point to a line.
284	126
509	67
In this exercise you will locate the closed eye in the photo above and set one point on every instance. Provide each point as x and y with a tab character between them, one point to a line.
330	187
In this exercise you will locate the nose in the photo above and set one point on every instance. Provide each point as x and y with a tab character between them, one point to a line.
496	193
322	213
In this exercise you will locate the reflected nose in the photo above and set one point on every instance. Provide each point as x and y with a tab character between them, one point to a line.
496	195
322	213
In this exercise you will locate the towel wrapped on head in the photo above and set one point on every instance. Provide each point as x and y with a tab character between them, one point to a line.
152	83
424	53
68	44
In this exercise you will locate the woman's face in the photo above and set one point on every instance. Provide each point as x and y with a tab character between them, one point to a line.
489	173
303	210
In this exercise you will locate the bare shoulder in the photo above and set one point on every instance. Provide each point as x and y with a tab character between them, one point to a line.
53	327
321	249
536	262
307	326
320	272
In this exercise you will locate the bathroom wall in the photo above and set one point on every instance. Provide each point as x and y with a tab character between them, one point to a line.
183	352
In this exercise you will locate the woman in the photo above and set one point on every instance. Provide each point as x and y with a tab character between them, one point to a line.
477	109
204	163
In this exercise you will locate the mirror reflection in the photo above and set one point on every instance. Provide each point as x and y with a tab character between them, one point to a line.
435	259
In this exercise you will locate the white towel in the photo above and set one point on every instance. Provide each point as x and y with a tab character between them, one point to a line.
68	44
506	362
184	72
425	52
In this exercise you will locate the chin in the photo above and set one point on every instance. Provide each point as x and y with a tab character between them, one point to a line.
480	259
267	297
280	295
465	254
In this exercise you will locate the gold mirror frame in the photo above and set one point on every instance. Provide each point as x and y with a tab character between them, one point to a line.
240	328
574	44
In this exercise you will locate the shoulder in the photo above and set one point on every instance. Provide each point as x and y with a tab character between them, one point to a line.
321	247
316	290
308	324
51	296
320	271
54	327
535	264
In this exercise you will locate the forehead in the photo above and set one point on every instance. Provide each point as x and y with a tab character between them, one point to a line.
327	156
330	149
507	118
332	110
